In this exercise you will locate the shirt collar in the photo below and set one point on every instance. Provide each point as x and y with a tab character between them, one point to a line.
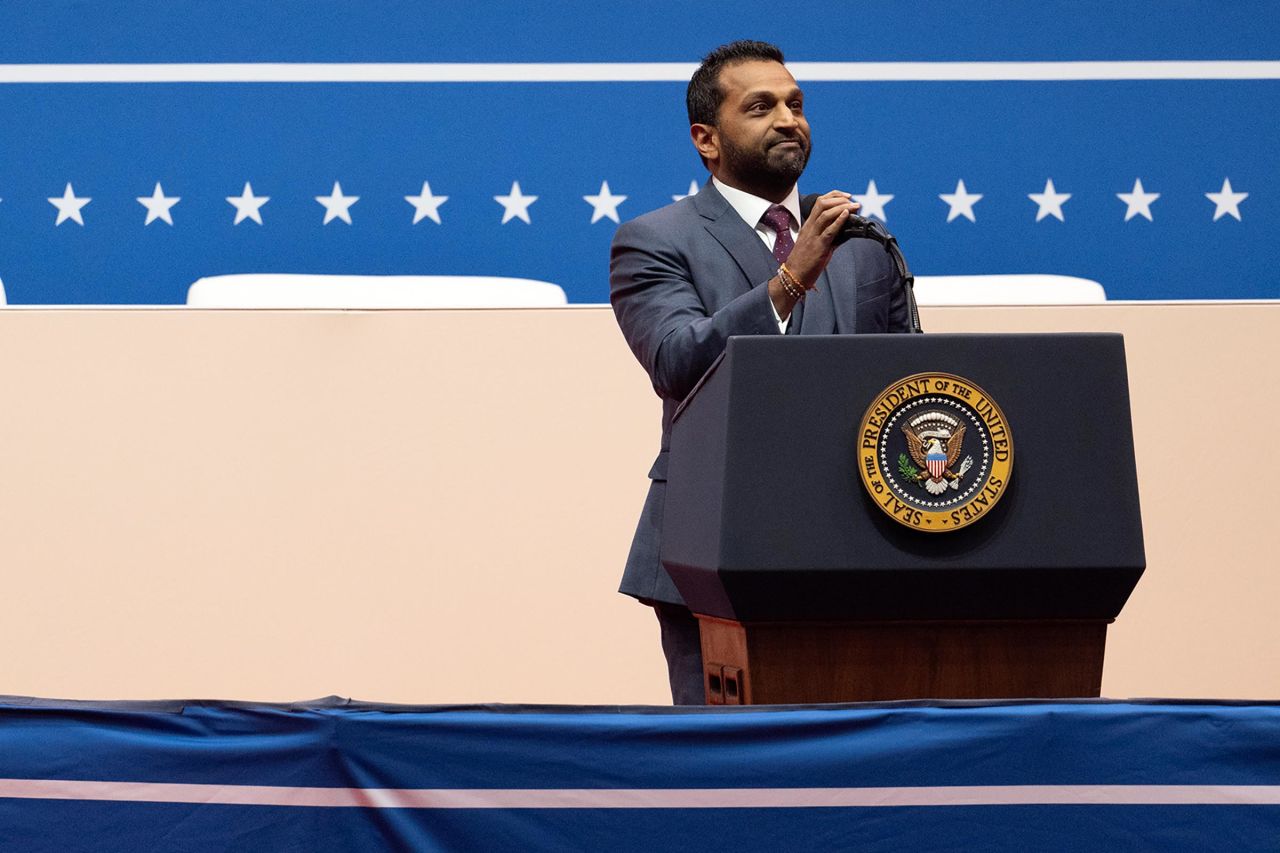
751	207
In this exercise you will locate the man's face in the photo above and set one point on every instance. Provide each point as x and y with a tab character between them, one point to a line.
763	137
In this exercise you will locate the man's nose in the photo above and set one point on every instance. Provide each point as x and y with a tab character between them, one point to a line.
784	117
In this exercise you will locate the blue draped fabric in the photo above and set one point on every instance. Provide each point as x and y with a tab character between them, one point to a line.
1087	775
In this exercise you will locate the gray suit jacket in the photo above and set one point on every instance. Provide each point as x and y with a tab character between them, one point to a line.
683	279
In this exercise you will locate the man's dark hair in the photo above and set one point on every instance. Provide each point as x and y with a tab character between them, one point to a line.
704	96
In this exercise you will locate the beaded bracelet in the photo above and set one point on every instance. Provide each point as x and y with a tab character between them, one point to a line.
790	285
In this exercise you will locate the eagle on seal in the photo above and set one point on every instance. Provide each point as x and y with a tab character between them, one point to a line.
935	441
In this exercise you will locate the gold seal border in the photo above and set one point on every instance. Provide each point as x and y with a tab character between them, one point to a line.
992	417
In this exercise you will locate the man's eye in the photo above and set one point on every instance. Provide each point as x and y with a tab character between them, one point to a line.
797	106
759	107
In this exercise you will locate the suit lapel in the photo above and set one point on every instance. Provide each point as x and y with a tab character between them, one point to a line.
796	326
738	239
819	316
844	298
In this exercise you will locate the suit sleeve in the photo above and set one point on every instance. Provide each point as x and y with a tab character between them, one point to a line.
663	318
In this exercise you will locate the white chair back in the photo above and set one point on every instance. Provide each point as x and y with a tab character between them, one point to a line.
1007	290
273	290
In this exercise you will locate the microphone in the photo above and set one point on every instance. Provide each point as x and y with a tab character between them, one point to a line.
865	228
854	226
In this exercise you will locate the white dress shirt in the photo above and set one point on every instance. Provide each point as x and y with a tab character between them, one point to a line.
751	208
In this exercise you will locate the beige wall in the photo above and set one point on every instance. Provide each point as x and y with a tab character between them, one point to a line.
434	506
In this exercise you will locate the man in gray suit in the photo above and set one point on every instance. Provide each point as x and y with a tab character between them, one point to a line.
738	258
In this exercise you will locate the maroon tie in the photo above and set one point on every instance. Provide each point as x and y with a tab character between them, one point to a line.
778	218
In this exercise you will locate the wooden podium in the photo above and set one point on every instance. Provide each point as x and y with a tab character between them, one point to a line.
807	592
780	663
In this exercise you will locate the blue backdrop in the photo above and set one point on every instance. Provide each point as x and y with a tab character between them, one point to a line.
202	142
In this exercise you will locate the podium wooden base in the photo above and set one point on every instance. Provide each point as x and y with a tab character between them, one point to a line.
809	662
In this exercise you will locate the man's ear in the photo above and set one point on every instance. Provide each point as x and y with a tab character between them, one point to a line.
706	138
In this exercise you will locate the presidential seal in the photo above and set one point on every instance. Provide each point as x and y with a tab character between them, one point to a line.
934	452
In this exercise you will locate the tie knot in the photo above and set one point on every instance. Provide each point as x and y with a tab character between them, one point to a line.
778	218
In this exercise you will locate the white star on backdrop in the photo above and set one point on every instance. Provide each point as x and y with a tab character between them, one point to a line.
693	190
515	205
961	202
604	205
1050	202
426	205
1226	201
1138	201
337	205
69	206
873	202
158	205
248	205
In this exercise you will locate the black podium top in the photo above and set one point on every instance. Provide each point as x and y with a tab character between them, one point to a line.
767	518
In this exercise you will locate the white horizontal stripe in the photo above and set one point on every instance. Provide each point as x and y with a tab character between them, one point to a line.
926	71
642	798
353	72
618	72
